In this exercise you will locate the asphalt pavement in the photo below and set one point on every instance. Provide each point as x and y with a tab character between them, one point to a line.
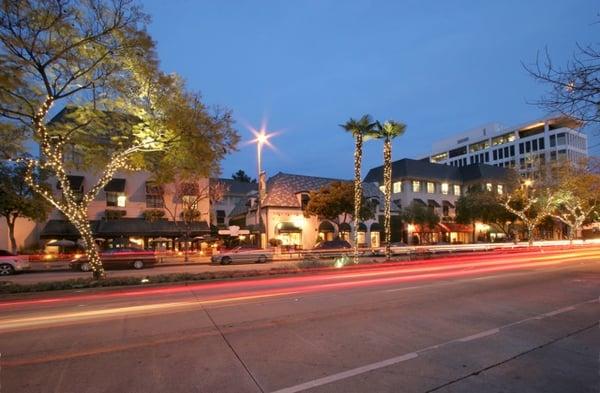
520	322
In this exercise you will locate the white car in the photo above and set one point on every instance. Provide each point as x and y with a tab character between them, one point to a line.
11	263
242	254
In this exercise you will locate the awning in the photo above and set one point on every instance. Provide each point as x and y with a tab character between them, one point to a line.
75	182
115	185
433	202
454	227
345	227
362	227
285	227
448	203
62	229
376	227
326	226
419	201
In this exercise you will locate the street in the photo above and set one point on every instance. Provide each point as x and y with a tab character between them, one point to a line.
525	321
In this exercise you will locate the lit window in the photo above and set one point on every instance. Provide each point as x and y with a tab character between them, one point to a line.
500	189
117	199
397	187
488	186
416	186
445	188
430	187
382	188
456	190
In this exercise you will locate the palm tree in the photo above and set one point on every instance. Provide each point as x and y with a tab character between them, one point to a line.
359	129
388	131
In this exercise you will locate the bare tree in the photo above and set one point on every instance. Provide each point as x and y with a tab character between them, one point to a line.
574	88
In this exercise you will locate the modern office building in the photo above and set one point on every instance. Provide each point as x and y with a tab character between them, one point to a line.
522	147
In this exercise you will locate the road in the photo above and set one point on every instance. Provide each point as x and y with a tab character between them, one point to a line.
504	322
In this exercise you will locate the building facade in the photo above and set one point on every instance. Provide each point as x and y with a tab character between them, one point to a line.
283	219
133	209
523	147
437	187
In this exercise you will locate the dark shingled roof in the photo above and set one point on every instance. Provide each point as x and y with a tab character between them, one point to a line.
283	187
407	168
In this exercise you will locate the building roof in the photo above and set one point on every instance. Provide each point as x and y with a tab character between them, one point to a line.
282	189
407	168
236	187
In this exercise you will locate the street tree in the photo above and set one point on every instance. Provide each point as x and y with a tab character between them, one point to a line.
335	202
17	199
361	128
185	204
530	205
479	204
418	214
128	114
241	176
576	194
388	131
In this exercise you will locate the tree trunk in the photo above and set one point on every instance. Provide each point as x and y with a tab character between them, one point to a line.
91	249
529	235
387	181
357	190
571	230
11	233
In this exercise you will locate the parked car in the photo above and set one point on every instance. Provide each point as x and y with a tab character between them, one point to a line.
242	254
126	257
332	244
11	263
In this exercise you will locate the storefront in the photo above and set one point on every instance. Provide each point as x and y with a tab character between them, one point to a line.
289	234
326	231
375	234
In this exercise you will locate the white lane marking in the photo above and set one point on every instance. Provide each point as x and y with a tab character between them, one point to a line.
398	359
479	335
348	374
559	311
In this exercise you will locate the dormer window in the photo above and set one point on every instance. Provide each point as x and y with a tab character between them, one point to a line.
304	199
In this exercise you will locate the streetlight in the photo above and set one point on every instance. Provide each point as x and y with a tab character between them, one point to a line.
261	139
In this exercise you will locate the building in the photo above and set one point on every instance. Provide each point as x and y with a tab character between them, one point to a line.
282	214
235	191
522	147
133	209
438	187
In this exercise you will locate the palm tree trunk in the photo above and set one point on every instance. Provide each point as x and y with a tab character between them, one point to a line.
387	181
357	190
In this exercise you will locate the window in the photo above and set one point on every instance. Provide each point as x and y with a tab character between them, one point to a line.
382	188
499	140
397	187
416	186
561	139
495	154
457	152
534	145
439	157
154	196
552	140
488	186
521	148
471	160
487	156
445	188
115	199
220	217
512	151
456	190
445	211
541	143
190	202
479	146
304	199
500	189
500	155
430	187
528	146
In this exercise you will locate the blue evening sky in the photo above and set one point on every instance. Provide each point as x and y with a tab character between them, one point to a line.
306	66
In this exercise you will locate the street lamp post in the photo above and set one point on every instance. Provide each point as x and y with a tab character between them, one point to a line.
262	138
